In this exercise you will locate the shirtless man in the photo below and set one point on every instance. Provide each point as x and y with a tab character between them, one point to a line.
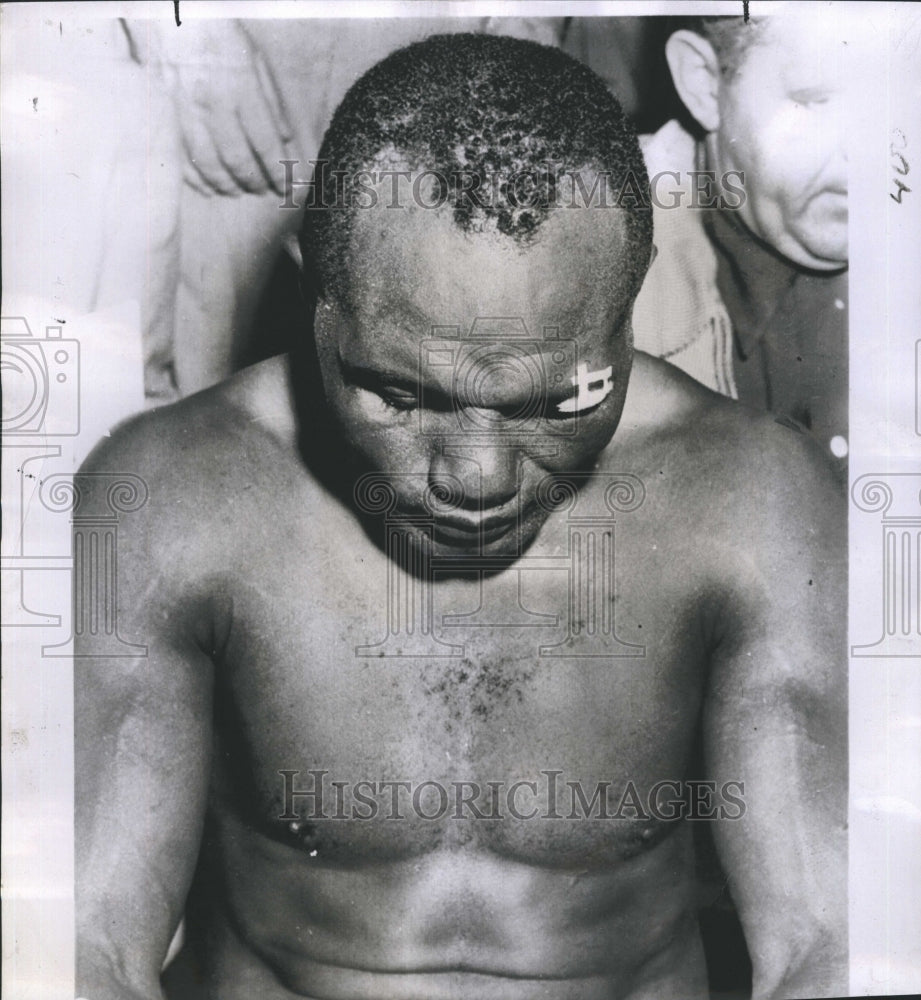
458	599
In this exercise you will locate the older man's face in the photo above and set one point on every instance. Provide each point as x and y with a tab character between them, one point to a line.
782	122
467	368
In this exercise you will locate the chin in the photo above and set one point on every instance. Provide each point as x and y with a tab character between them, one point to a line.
815	250
827	256
824	240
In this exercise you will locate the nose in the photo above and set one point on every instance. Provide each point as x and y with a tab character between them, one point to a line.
487	472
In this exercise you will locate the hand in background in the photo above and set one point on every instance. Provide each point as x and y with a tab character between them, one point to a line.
232	119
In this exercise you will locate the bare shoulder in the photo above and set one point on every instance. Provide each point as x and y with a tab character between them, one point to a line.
204	465
737	471
752	512
197	435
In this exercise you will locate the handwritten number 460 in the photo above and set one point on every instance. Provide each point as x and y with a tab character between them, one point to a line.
901	167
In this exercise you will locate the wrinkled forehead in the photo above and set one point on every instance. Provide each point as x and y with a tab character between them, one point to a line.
416	269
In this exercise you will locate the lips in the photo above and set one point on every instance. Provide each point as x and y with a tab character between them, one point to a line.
836	198
470	530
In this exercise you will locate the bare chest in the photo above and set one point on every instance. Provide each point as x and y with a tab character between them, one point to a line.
369	710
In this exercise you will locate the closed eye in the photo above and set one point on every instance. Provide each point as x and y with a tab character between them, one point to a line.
810	97
397	399
397	394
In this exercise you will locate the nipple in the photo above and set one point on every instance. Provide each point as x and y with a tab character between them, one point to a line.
306	834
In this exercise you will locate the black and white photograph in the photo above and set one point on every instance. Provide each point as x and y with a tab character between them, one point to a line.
461	482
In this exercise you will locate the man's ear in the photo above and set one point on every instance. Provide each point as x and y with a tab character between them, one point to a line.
292	248
308	280
696	75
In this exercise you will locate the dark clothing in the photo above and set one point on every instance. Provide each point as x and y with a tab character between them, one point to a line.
789	330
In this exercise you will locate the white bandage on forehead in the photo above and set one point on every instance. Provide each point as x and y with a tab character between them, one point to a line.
591	388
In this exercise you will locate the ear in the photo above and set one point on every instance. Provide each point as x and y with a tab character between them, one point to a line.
292	248
696	75
308	281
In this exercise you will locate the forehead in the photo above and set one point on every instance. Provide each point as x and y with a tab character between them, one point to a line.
416	269
792	50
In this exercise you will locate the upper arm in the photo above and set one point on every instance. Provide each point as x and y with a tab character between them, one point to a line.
142	747
775	719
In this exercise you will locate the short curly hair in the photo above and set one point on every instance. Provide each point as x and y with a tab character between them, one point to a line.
476	106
